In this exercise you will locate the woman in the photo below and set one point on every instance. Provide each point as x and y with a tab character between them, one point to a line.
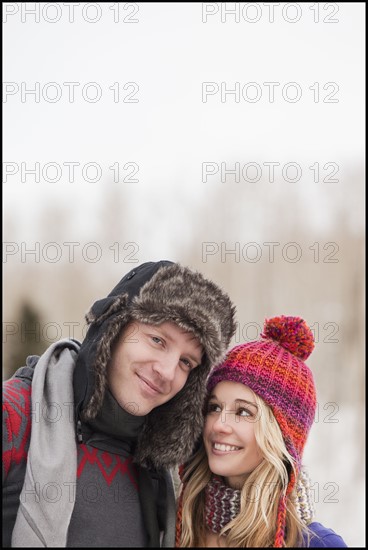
239	490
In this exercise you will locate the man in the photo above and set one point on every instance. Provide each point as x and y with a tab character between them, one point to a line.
91	431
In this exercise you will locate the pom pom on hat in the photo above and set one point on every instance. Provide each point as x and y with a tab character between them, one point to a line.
292	333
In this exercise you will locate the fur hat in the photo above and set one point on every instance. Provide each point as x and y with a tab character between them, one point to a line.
154	293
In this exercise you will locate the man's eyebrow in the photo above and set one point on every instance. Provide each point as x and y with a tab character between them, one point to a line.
195	359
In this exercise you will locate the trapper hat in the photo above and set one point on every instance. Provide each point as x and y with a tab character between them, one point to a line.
154	293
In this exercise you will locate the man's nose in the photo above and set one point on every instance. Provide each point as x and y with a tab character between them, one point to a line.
166	367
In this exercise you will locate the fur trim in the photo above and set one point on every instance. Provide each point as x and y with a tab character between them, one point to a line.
195	304
103	356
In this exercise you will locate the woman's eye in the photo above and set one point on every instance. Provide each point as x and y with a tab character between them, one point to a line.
244	412
213	407
157	340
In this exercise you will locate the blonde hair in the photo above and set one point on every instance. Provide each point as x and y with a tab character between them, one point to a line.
255	525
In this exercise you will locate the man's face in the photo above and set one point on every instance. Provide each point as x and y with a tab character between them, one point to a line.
150	364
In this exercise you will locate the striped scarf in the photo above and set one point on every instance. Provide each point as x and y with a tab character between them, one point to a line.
222	504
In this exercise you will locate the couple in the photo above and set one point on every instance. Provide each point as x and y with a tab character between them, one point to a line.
92	431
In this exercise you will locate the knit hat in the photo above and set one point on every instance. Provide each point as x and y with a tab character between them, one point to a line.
154	293
273	368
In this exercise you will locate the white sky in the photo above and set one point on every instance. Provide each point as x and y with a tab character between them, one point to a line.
171	132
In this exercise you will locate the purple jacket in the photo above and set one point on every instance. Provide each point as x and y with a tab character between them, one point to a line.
324	538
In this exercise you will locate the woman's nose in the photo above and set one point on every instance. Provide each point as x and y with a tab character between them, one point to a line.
223	422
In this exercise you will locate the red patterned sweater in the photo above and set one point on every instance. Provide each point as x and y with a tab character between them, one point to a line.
106	499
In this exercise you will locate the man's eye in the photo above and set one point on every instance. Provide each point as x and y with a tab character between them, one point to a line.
187	363
157	340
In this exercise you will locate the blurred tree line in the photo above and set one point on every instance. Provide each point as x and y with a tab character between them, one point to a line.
25	337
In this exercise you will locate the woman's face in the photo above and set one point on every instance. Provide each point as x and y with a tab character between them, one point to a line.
229	433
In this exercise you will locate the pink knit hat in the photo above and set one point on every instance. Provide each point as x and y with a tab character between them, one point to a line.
273	368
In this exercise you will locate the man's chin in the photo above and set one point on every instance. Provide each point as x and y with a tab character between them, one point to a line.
133	408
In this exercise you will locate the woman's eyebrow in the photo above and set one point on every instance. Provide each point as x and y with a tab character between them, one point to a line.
247	402
213	396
